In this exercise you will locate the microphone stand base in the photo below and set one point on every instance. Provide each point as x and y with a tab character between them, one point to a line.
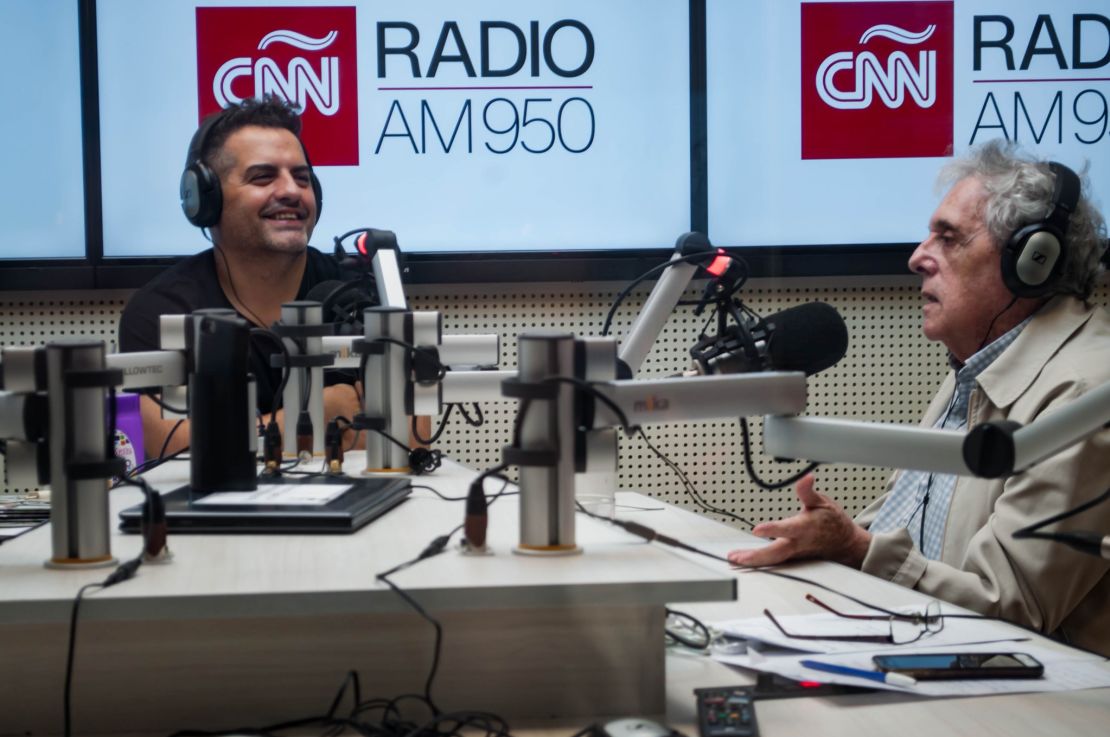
80	564
548	551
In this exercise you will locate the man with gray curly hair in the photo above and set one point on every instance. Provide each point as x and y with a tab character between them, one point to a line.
1012	256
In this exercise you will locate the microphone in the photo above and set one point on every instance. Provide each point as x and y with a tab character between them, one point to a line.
808	338
377	252
343	304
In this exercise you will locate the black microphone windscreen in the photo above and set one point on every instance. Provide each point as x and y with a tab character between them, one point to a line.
323	290
343	304
810	338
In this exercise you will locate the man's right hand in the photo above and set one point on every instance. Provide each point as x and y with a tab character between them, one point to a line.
342	400
821	530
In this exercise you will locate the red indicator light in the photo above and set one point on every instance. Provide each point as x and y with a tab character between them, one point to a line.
810	684
720	263
360	243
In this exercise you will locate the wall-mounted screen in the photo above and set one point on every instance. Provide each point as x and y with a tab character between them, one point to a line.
827	122
43	191
500	126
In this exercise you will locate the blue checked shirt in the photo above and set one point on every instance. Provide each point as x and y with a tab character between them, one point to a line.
917	494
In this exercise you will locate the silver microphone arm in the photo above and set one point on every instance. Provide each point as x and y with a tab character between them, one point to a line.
660	303
393	387
988	450
569	401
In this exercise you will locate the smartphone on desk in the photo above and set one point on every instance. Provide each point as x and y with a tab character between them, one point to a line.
938	666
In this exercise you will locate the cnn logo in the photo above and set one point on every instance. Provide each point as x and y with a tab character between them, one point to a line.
876	80
304	55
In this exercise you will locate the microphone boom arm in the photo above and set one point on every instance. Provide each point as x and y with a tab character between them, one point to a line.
988	450
660	303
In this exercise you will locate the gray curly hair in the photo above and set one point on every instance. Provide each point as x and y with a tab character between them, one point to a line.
1019	192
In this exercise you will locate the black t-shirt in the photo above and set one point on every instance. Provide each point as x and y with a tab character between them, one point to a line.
192	285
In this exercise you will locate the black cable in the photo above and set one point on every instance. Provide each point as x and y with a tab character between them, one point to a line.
122	572
157	399
418	350
493	471
446	498
110	422
349	426
279	396
421	460
352	679
589	388
651	535
437	648
694	257
152	463
439	430
745	444
392	439
990	327
434	548
169	437
631	429
67	688
437	546
235	293
292	470
518	421
472	421
1086	542
689	486
1067	513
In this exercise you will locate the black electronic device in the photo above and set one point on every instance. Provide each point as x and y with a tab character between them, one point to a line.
220	406
726	712
365	500
773	686
1034	256
952	666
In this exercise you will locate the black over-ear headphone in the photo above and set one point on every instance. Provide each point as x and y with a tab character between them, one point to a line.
1034	257
202	199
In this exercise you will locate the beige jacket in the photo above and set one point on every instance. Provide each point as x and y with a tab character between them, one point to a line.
1063	352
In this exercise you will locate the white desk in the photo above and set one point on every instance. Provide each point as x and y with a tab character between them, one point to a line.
1066	714
256	629
251	630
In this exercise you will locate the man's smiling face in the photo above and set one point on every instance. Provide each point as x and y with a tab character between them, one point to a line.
268	201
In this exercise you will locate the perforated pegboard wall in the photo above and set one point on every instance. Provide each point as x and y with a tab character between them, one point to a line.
888	375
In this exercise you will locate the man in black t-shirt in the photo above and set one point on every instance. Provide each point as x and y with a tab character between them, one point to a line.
247	180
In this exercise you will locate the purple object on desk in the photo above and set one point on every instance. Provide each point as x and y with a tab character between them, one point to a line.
129	429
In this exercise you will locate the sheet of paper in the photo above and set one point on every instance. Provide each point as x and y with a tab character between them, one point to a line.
277	495
1069	670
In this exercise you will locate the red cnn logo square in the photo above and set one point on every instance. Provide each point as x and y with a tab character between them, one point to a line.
305	55
876	80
